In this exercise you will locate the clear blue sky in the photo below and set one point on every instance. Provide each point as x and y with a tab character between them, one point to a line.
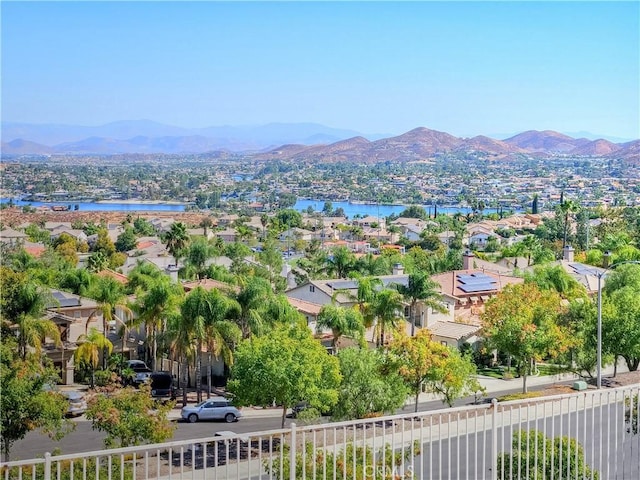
465	68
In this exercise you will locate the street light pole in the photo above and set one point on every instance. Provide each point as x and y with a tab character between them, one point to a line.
599	347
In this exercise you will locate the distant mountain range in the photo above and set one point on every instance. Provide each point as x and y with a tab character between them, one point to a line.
422	143
302	141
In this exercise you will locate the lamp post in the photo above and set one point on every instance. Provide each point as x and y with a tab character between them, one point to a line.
599	348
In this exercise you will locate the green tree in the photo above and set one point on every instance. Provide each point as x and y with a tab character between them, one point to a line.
176	239
197	255
414	211
455	378
567	208
555	278
367	387
25	404
88	352
126	241
285	366
421	288
142	226
418	360
522	321
104	243
341	321
537	456
131	417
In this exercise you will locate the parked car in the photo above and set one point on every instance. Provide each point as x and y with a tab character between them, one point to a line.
162	386
141	371
77	402
215	408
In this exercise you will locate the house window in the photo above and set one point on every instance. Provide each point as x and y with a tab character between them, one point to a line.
406	312
443	343
312	288
76	314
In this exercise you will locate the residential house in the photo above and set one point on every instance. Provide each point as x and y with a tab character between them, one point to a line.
10	236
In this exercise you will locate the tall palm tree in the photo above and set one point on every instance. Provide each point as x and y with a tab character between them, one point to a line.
155	307
110	297
180	341
252	297
176	239
387	306
88	351
420	287
205	313
567	207
341	321
143	275
341	262
26	315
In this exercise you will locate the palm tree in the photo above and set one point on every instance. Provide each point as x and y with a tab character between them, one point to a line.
205	312
341	262
176	239
155	307
420	287
29	305
88	351
109	294
143	275
386	306
197	255
341	321
253	296
567	207
180	341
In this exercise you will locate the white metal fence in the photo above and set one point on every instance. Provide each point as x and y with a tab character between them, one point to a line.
488	442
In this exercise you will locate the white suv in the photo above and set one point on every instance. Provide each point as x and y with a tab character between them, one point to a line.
215	408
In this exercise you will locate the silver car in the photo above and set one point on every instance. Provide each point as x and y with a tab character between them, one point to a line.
215	408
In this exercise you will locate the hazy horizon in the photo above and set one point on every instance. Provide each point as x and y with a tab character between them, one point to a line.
468	69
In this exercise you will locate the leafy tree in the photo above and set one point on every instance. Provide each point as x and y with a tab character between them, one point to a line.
367	387
97	261
131	417
285	366
88	352
142	226
197	255
521	321
414	211
77	281
126	241
25	404
289	218
341	321
537	456
421	288
455	378
66	246
418	360
104	243
176	239
253	297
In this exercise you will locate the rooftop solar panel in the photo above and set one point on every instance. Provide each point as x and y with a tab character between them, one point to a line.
481	287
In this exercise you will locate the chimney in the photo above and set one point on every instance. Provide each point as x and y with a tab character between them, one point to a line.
606	259
467	260
398	269
172	271
567	253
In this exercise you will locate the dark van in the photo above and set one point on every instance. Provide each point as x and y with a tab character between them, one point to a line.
162	386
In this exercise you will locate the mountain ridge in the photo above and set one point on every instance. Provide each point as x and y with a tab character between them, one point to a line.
305	141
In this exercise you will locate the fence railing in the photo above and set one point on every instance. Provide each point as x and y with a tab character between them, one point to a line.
588	435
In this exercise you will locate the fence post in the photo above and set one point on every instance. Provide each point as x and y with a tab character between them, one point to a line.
292	453
47	466
494	440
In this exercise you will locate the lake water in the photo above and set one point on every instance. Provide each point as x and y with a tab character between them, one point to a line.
350	209
104	207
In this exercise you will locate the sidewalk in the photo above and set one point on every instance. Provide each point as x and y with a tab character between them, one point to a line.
492	386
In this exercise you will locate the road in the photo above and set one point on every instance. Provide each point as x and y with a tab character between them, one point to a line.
84	439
